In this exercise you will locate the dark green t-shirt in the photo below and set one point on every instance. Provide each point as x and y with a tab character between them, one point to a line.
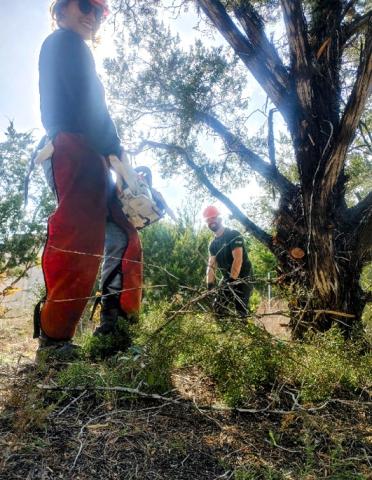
222	247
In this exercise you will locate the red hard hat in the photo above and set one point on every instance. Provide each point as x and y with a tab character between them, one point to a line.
210	212
102	4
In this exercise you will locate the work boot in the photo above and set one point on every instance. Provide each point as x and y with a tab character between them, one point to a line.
112	334
51	350
108	322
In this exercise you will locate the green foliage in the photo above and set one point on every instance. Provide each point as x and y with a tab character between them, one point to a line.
176	259
366	283
124	369
242	359
327	364
22	231
263	262
81	374
359	165
102	346
161	349
240	362
158	82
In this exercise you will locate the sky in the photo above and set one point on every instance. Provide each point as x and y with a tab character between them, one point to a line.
24	24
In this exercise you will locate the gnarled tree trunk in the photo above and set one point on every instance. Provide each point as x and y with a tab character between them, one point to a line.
318	240
321	244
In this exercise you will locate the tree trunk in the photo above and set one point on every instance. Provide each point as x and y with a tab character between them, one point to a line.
322	271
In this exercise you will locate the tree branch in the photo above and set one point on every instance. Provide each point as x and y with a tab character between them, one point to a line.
268	171
367	138
254	28
361	223
271	141
299	51
358	211
270	138
256	52
252	228
14	282
355	26
350	120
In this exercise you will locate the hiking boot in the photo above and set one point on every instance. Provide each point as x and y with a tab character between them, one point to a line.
108	322
51	350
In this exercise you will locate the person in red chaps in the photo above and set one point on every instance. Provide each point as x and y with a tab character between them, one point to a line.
88	223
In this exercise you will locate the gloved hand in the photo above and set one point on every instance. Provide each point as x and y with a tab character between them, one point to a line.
210	286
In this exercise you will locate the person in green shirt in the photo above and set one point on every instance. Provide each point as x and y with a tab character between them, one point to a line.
228	254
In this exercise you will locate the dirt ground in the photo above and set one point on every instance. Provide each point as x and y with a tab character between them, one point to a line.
81	435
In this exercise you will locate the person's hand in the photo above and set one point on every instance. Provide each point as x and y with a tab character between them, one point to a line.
210	286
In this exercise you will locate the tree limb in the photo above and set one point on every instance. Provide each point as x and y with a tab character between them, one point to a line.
270	138
350	120
367	138
361	224
9	287
299	51
271	142
355	213
348	7
254	28
268	171
355	26
259	56
252	228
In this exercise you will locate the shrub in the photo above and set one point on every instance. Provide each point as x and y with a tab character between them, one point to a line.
325	364
238	358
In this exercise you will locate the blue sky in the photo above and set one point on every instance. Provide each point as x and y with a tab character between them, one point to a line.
23	26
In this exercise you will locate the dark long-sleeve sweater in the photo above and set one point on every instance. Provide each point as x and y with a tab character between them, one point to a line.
72	98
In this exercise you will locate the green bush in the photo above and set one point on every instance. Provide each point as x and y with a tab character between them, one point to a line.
176	258
22	230
239	359
244	359
326	364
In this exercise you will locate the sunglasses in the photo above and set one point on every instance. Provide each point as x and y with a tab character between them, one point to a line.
86	7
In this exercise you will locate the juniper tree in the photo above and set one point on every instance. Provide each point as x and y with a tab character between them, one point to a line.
317	77
22	230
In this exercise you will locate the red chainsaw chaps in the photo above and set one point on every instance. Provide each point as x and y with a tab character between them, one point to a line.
76	230
75	241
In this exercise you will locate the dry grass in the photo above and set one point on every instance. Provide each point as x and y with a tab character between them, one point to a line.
79	435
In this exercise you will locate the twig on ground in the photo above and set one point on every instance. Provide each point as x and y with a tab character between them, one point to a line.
154	396
282	448
104	415
70	404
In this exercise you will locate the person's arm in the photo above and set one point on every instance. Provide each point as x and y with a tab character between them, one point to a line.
211	271
236	266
